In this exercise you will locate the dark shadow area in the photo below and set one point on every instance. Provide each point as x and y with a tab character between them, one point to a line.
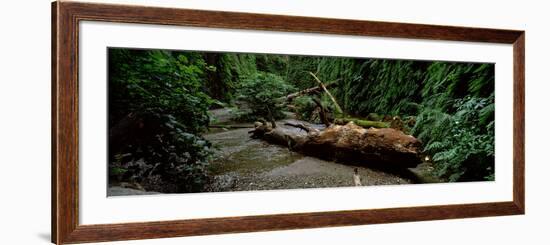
45	236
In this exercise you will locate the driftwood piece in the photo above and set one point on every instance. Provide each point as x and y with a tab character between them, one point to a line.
312	90
336	105
385	147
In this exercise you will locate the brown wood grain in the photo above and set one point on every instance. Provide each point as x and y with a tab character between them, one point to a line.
519	123
65	124
65	221
54	123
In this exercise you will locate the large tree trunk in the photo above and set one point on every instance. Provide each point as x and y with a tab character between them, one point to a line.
384	147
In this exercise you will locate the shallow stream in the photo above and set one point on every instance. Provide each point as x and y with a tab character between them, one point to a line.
242	163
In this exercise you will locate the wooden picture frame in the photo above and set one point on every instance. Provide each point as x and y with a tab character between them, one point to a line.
65	121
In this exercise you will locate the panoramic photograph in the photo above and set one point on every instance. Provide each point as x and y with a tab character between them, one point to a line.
201	121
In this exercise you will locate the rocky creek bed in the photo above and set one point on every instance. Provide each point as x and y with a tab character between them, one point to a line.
241	163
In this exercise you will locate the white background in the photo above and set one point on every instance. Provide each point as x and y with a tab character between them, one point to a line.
25	123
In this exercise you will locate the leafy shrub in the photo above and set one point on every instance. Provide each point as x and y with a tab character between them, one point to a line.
262	92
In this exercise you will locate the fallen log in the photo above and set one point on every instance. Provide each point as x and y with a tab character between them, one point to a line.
384	147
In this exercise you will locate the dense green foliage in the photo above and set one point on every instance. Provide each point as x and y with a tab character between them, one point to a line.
158	82
262	91
462	141
456	119
298	68
157	108
225	72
